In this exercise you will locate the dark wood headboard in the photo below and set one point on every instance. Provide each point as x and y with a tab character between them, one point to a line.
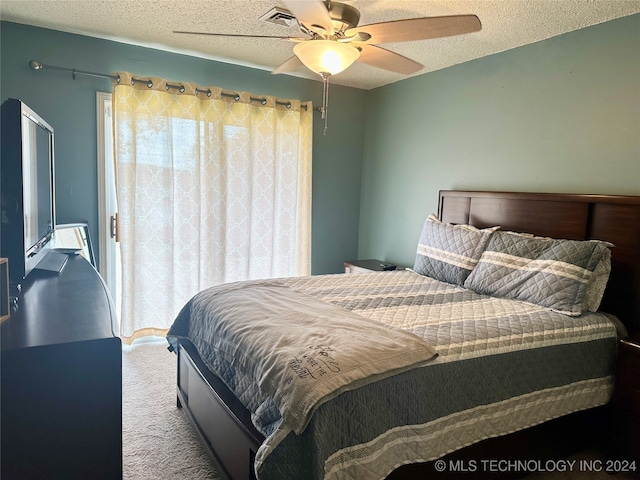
614	218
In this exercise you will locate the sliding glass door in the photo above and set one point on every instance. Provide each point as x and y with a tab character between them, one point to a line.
109	248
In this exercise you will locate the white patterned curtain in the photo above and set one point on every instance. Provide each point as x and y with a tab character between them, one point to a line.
211	189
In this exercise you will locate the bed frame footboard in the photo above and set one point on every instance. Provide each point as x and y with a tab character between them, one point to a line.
224	427
220	420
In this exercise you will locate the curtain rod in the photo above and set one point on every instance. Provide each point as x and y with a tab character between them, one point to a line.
36	65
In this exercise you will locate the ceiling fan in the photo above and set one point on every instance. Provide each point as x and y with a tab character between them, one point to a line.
333	40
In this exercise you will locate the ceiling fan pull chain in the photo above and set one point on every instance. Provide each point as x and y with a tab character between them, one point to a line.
325	101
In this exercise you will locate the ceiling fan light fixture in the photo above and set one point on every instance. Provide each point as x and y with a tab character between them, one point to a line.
326	56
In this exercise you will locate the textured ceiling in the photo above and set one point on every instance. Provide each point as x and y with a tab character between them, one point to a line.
506	24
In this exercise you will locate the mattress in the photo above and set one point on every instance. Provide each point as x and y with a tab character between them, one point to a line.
502	365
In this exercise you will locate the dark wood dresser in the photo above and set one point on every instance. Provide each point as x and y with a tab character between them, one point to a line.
626	402
61	397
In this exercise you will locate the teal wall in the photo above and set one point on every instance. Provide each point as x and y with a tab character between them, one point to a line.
70	107
561	115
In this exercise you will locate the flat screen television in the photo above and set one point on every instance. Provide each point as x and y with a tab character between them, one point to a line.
28	188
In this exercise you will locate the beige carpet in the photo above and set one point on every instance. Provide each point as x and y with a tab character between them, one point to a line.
158	442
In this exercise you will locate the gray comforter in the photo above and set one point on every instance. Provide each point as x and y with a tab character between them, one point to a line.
298	351
502	365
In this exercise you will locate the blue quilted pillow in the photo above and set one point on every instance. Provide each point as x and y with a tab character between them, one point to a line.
544	271
449	252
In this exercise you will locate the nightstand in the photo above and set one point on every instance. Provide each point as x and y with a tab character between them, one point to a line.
626	400
368	266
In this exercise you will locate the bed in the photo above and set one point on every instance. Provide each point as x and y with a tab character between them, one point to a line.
496	367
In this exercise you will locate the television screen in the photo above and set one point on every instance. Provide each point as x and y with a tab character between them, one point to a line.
27	215
37	205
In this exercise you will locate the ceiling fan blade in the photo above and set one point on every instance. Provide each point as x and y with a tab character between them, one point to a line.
311	13
293	64
238	35
387	60
418	28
